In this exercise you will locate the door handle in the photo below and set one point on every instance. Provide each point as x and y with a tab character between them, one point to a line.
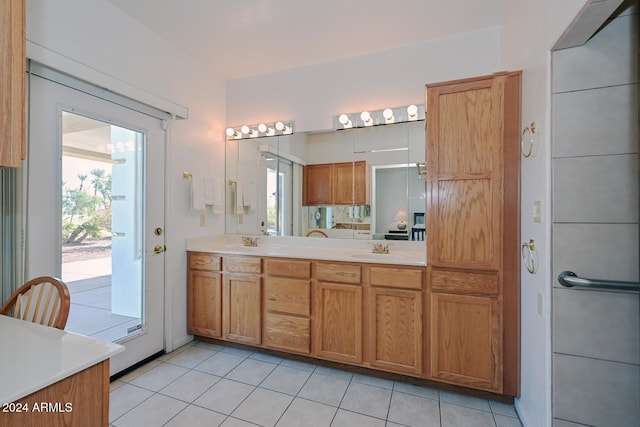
569	279
159	249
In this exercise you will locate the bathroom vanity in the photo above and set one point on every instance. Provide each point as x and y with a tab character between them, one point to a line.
335	300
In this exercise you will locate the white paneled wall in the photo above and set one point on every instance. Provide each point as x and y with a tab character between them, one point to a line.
596	354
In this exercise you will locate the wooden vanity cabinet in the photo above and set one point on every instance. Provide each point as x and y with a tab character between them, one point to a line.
287	305
338	312
395	323
472	223
12	82
345	183
204	295
242	299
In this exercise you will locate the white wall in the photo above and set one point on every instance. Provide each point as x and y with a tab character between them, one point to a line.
531	30
313	95
100	38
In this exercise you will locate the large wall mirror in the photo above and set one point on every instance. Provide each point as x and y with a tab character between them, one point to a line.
360	183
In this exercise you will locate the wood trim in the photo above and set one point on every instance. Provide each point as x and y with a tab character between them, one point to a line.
12	82
81	399
511	235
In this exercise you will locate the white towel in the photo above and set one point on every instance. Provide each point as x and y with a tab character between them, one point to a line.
239	201
249	195
197	194
214	194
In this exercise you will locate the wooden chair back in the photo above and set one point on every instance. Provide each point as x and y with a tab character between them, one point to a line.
44	300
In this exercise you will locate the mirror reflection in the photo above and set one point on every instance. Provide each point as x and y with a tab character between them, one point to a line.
359	183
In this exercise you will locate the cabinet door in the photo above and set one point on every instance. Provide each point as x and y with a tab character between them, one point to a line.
204	303
395	322
361	187
338	331
343	184
464	164
242	308
465	341
317	185
12	82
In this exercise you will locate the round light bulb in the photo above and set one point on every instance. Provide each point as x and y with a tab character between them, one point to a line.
230	132
280	126
245	129
344	119
412	111
262	127
365	116
387	113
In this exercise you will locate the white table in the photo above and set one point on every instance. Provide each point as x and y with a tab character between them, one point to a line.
58	368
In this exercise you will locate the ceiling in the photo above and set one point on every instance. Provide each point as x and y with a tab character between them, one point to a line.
243	38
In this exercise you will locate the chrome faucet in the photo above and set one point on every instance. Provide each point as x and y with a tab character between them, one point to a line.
250	241
379	248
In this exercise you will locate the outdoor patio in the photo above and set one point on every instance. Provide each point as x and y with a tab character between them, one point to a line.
89	284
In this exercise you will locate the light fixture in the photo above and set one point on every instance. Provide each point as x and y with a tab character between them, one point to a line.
412	113
259	130
365	116
346	122
231	133
386	116
282	127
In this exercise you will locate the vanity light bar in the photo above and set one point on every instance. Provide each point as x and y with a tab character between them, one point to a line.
260	130
387	116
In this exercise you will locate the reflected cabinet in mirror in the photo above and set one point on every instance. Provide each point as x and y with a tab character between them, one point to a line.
356	183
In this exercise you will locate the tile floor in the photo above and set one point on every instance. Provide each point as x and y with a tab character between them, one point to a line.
203	384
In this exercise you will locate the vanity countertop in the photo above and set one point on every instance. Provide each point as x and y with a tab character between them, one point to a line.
347	250
35	356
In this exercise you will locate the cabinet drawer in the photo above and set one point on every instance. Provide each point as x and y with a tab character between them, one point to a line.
396	277
202	261
239	264
464	283
291	296
287	332
288	268
342	273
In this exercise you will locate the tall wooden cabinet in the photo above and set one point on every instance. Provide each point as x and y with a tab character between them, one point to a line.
472	223
12	82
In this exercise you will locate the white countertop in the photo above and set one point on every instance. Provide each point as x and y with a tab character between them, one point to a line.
349	250
33	356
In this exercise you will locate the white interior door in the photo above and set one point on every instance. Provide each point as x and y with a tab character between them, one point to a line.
120	296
